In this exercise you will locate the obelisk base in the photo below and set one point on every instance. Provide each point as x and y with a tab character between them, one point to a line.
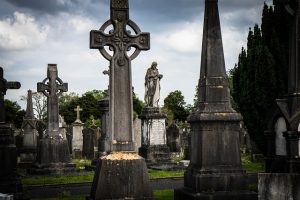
53	158
121	175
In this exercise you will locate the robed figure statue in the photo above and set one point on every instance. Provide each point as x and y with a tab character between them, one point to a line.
152	86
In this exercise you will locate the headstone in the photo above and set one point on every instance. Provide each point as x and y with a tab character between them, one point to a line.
10	182
30	135
77	140
186	141
69	135
105	138
53	152
215	170
173	137
283	135
88	143
122	173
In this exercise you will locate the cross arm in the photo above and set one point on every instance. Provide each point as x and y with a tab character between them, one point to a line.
63	87
98	39
42	87
13	85
141	41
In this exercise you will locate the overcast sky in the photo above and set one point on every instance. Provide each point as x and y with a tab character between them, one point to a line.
34	33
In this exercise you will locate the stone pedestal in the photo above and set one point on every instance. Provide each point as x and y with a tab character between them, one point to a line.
154	148
53	157
77	140
10	182
121	175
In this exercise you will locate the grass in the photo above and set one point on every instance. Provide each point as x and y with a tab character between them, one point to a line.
158	194
250	166
164	174
42	180
81	163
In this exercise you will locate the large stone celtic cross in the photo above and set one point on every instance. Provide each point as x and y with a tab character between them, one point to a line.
4	85
120	40
52	87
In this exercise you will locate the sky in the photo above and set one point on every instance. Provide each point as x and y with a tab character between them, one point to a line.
34	33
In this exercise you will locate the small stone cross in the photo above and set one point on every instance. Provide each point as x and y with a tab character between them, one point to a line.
78	109
4	86
120	40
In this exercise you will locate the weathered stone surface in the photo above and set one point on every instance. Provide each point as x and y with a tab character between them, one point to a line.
152	86
173	137
10	182
77	139
215	170
88	143
279	186
30	134
125	177
121	175
53	153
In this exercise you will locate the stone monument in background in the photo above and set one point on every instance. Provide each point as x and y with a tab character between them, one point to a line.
53	152
77	140
10	182
154	148
215	170
122	174
30	135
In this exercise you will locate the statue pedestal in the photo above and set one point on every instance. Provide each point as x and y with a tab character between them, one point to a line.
10	182
154	148
121	175
53	157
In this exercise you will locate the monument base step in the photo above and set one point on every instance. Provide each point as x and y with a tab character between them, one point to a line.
188	194
128	173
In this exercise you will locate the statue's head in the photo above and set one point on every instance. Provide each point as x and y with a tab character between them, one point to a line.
154	64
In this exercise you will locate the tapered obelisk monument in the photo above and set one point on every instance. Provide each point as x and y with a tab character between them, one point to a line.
215	170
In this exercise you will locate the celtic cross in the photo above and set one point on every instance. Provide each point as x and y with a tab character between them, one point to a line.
52	87
120	40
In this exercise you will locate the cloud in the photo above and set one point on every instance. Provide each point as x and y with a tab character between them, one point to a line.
21	32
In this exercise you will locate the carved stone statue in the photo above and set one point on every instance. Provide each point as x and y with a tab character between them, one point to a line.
152	86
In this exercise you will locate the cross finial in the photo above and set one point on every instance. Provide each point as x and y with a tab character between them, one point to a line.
78	109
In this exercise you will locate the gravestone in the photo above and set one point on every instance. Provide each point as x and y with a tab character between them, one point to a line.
173	131
77	140
88	143
53	152
122	173
105	138
69	135
154	148
186	141
30	135
215	170
10	182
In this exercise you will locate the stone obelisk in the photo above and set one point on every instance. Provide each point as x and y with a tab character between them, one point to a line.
215	170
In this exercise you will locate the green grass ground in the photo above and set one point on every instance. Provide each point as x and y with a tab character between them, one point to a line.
88	176
158	194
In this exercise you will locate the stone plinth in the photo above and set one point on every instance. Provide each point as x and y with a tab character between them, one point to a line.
121	175
10	182
77	140
154	148
279	186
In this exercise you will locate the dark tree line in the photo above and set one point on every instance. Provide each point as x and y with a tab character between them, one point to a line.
260	76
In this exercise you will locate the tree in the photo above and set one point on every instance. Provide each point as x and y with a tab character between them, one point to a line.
175	103
260	76
13	113
137	105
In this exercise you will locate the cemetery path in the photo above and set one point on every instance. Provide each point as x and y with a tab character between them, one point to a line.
54	190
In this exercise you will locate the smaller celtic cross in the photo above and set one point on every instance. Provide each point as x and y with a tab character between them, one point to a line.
52	87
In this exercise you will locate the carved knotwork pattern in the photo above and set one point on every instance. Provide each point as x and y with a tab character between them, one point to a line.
119	4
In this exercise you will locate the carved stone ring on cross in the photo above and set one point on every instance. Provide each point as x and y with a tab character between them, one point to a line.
136	30
46	91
